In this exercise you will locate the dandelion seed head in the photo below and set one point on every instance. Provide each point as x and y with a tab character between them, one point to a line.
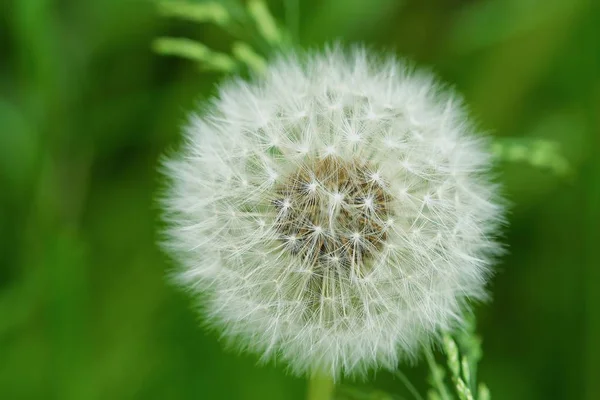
336	213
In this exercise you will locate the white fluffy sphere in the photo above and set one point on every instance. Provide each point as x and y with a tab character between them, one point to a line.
334	213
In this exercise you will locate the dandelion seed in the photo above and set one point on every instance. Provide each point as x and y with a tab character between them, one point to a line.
356	235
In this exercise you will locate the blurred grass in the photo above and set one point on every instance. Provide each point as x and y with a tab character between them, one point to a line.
86	109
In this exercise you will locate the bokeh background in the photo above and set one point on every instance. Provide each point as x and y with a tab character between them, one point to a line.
86	110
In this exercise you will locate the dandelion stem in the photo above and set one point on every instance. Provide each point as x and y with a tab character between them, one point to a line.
320	387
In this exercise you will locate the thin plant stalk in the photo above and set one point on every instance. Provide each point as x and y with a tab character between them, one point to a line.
438	380
292	16
411	388
320	387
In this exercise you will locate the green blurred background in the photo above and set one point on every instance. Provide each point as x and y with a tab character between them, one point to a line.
86	110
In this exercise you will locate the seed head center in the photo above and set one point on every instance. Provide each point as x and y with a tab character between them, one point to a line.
335	212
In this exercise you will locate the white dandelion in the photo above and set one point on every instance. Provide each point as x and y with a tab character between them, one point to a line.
336	213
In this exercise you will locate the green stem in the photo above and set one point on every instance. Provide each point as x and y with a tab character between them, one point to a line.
411	388
320	388
292	15
437	378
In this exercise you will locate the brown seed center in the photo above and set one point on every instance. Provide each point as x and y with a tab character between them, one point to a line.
333	212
